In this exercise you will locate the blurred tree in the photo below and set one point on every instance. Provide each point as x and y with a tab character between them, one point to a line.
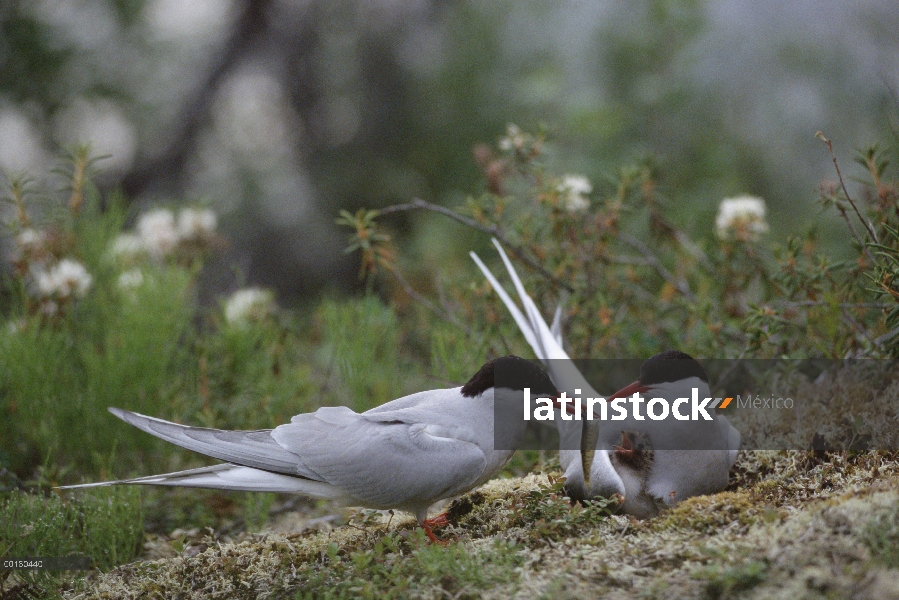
280	112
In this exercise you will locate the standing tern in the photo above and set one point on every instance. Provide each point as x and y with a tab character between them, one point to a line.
406	454
672	460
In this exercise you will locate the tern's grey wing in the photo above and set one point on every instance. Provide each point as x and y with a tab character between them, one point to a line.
255	449
416	399
383	462
680	474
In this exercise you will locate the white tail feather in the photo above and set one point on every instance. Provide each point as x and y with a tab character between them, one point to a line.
545	343
228	477
556	327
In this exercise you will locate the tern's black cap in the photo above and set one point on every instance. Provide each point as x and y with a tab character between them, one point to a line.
670	366
510	372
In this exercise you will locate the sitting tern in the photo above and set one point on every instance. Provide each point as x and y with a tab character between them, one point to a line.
406	454
671	461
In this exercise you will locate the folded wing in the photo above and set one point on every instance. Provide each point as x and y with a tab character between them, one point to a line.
386	459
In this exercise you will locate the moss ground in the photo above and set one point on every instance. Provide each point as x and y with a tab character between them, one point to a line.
793	525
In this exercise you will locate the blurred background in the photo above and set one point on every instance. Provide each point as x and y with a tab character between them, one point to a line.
279	113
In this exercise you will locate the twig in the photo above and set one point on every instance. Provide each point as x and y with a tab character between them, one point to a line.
494	230
842	210
879	341
656	264
621	259
853	322
446	314
692	248
797	303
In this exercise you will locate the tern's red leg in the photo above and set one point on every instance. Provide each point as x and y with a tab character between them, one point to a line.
438	521
429	524
430	533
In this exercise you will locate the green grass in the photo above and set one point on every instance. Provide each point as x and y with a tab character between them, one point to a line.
727	582
105	524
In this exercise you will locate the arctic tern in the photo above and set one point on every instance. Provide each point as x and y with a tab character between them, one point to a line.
406	454
674	461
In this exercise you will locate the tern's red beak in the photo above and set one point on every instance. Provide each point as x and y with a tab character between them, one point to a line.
569	408
624	392
629	390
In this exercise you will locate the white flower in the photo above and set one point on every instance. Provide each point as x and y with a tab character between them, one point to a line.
513	140
127	246
196	224
575	189
157	232
31	240
67	278
45	281
131	279
72	278
250	304
741	218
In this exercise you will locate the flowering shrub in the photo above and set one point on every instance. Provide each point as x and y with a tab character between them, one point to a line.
575	190
46	262
158	235
633	282
100	317
98	314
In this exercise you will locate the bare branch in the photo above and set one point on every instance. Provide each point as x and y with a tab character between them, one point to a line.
415	295
656	264
854	324
494	230
877	305
692	248
886	337
842	210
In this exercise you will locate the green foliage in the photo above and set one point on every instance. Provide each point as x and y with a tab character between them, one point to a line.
111	348
262	369
549	516
105	524
724	582
99	317
363	343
